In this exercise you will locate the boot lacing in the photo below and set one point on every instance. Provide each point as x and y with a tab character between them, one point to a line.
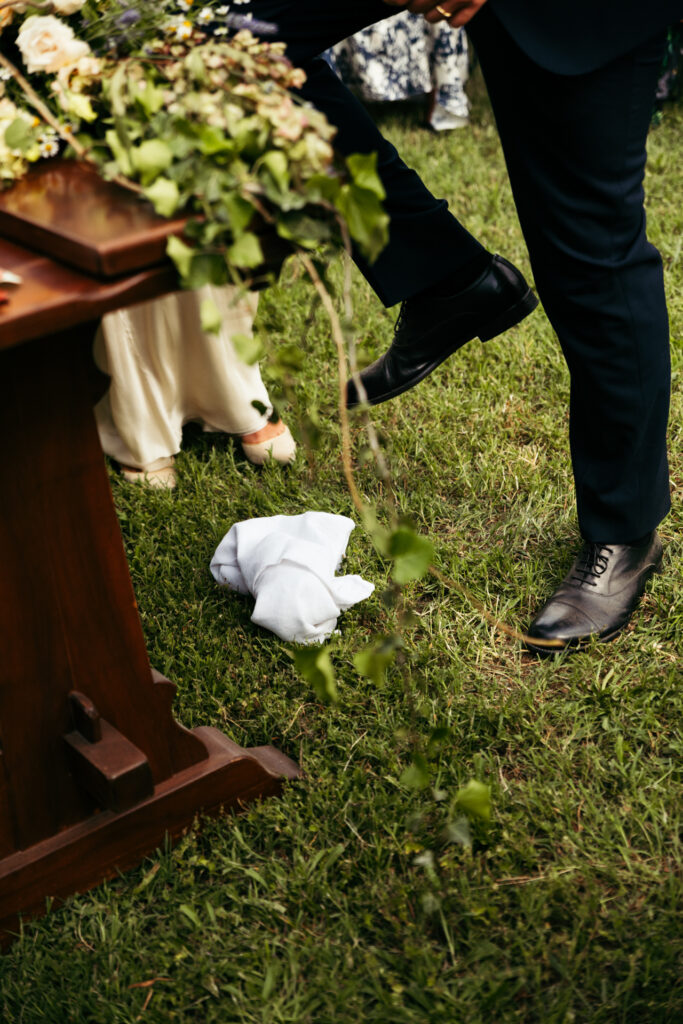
591	562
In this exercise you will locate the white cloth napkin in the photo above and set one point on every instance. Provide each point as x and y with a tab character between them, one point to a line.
288	564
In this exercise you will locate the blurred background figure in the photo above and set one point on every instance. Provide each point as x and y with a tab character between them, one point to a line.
670	85
166	372
405	57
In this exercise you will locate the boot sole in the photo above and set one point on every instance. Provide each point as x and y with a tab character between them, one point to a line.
503	322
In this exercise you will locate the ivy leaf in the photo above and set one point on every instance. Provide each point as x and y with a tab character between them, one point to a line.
475	799
118	89
19	135
323	188
181	255
290	357
458	831
212	141
275	162
164	196
239	211
367	222
182	142
249	349
411	553
206	268
315	665
304	229
209	316
363	168
150	98
150	159
416	775
246	251
373	661
196	67
120	152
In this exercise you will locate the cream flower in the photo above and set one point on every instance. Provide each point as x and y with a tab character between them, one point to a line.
47	44
8	111
79	74
67	6
12	162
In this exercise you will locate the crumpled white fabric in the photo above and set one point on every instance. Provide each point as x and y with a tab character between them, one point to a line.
288	564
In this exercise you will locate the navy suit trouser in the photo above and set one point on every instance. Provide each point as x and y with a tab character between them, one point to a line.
575	152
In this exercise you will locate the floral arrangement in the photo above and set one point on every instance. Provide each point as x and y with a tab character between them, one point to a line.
190	107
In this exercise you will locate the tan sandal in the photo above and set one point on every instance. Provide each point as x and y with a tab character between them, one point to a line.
272	441
159	474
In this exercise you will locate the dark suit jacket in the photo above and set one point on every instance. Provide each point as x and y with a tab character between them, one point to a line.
575	36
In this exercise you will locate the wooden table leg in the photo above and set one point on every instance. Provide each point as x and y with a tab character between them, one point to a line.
94	770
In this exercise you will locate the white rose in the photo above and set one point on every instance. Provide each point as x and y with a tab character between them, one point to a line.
47	44
67	6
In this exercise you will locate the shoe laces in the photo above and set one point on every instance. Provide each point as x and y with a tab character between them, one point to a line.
591	564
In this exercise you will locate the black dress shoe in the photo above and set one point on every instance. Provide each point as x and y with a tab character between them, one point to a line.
598	594
430	328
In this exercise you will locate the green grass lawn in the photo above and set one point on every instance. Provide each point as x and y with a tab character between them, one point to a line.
353	898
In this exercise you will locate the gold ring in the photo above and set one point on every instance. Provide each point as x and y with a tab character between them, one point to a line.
443	13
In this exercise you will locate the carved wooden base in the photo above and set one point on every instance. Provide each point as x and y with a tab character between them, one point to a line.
94	769
81	856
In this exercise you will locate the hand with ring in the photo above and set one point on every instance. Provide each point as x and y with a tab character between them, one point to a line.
455	12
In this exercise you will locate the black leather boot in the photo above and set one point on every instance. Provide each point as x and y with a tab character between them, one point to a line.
598	594
430	328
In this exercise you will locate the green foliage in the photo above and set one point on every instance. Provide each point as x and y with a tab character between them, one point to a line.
416	775
210	316
181	254
246	251
475	799
315	665
247	347
150	158
164	196
207	124
353	897
411	553
363	168
374	660
20	135
367	222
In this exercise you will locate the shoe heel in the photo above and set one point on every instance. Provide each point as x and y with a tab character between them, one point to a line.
510	317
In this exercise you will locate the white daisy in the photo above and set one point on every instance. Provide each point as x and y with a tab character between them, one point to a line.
48	148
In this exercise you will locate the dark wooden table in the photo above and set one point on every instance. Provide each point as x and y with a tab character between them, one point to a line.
94	770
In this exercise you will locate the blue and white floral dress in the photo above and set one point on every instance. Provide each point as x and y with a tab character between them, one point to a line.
403	57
